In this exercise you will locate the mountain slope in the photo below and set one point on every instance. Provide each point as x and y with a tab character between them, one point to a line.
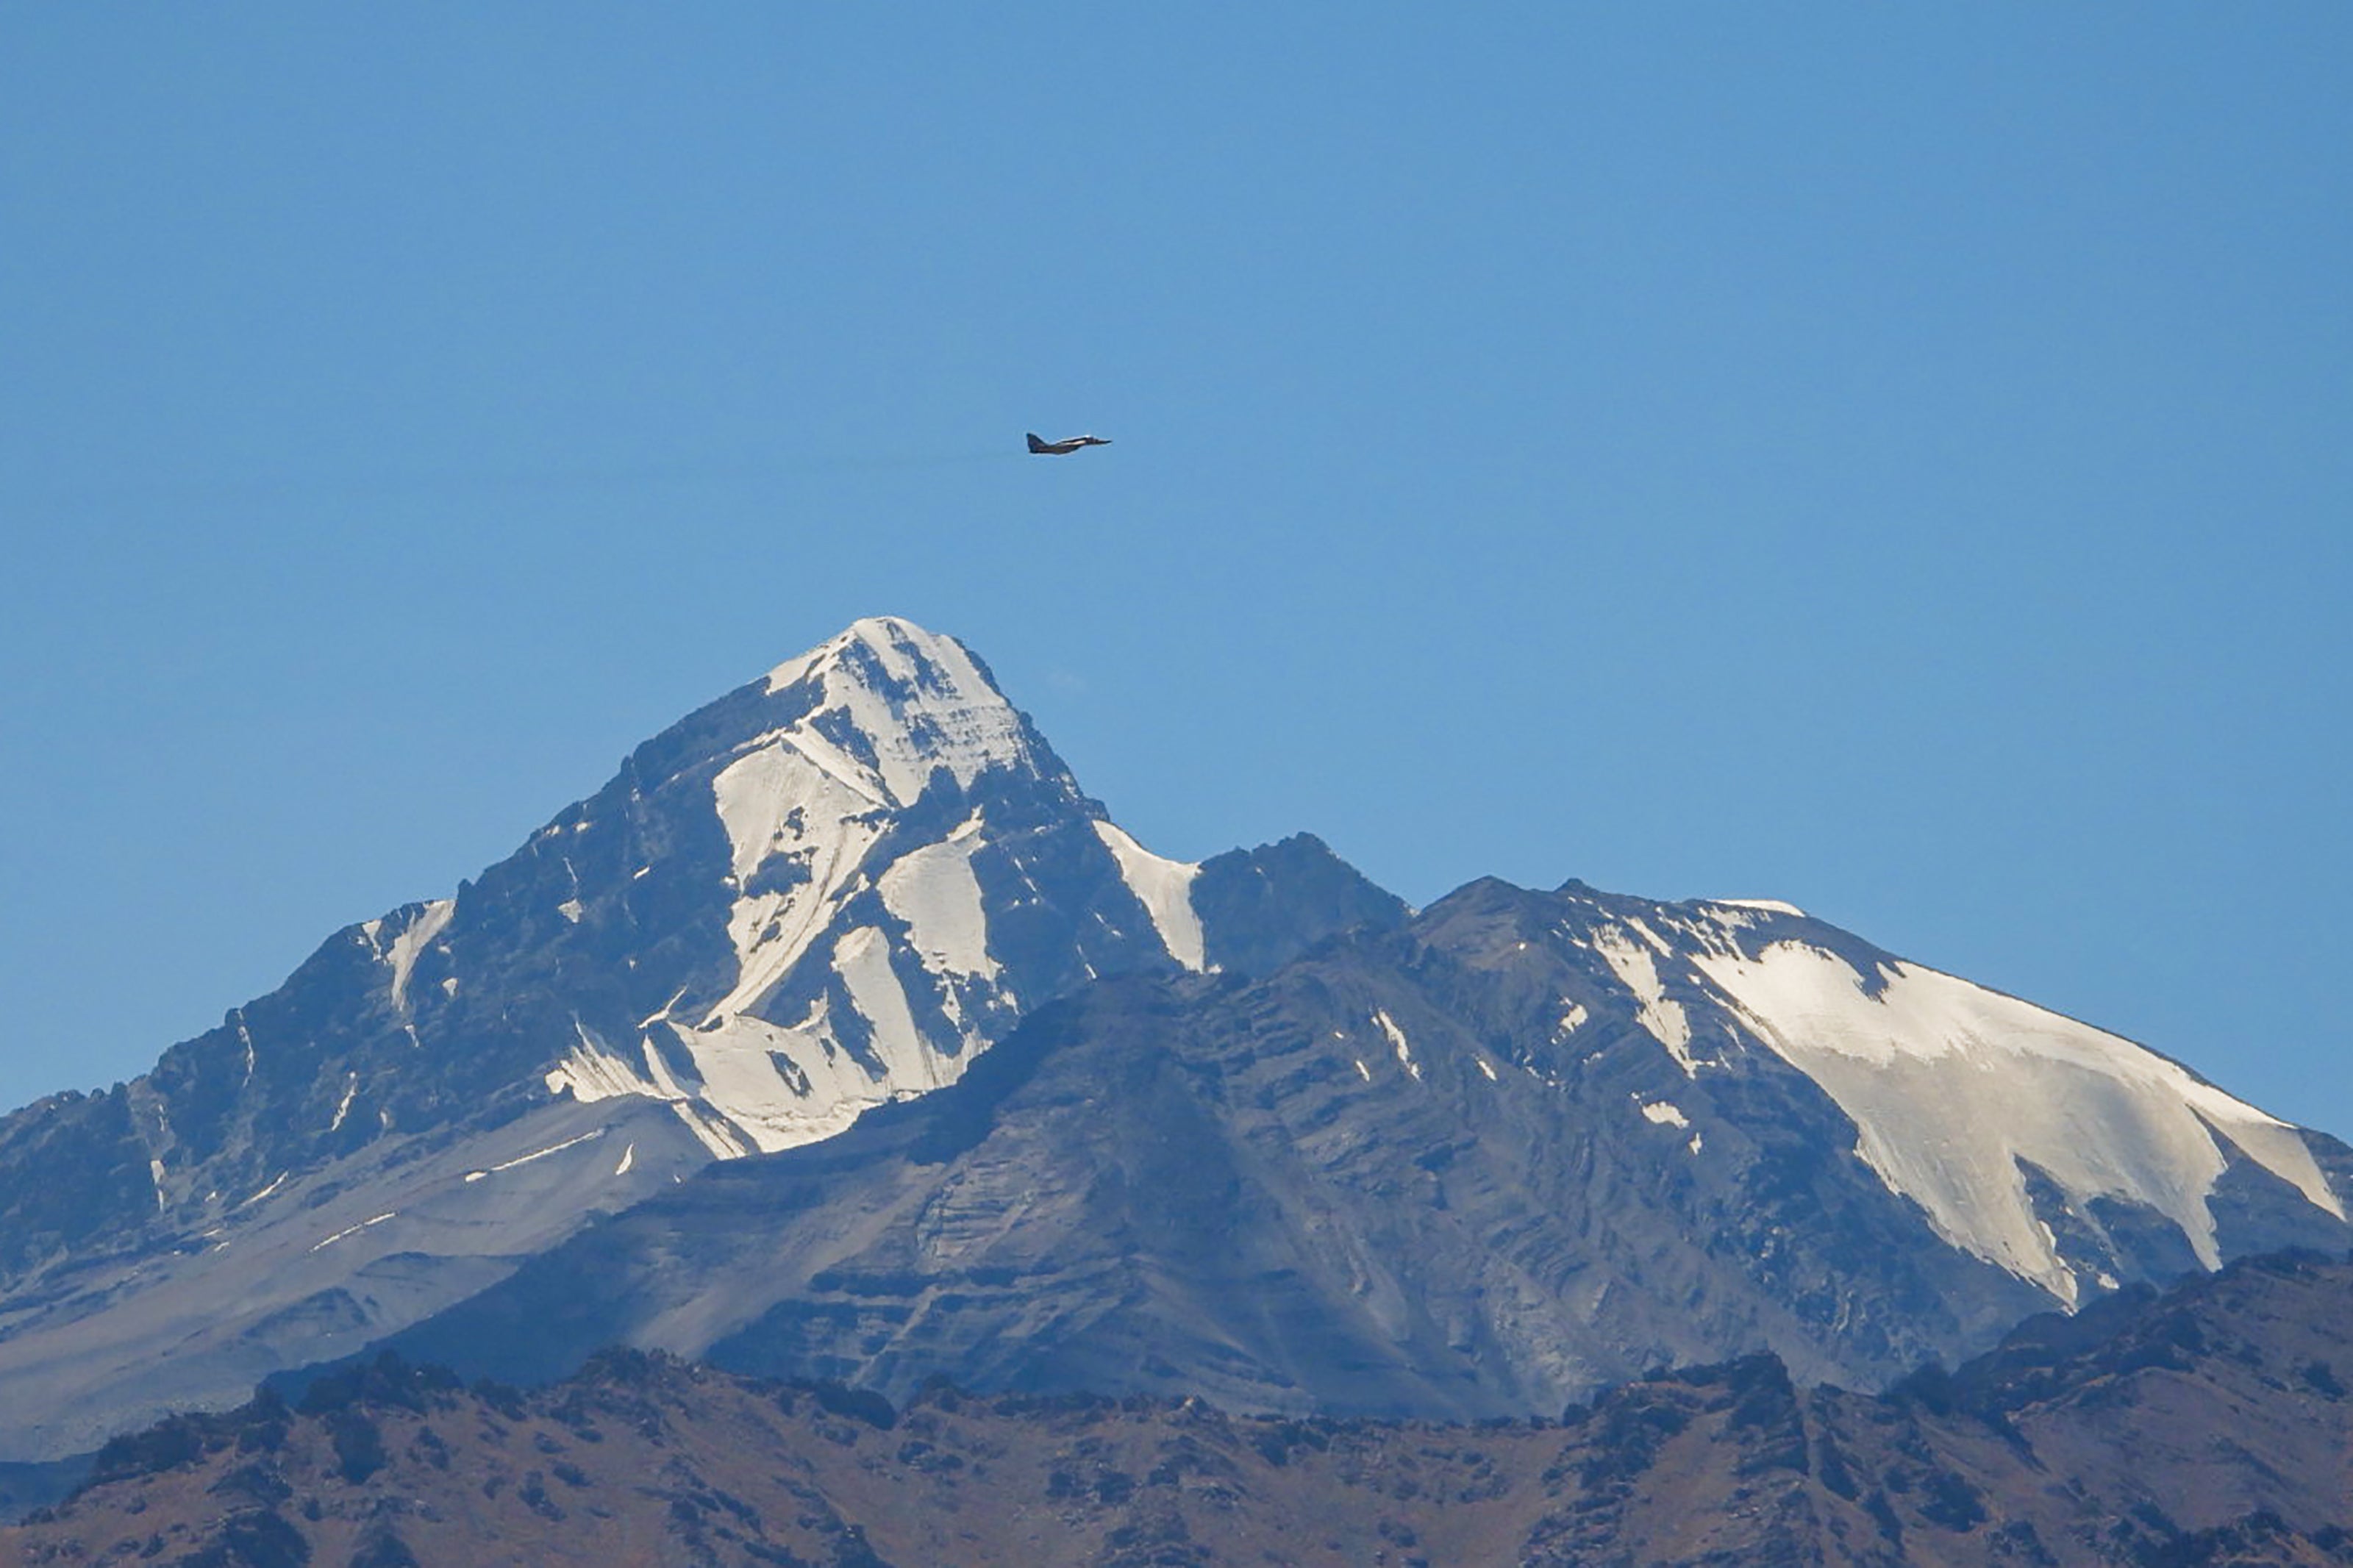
2211	1426
834	887
1524	1148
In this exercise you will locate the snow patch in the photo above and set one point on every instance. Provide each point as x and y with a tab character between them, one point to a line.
934	890
862	959
662	1012
351	1090
741	1081
1951	1087
939	710
265	1192
1398	1042
355	1229
592	1071
1665	1114
1642	928
712	1133
537	1154
419	934
781	1085
1771	905
1164	889
1637	971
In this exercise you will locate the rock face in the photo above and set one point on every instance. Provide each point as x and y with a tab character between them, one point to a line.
833	887
2208	1426
1530	1145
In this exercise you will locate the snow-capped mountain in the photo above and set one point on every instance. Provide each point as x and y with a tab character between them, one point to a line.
886	782
832	888
840	1034
2013	1128
1531	1145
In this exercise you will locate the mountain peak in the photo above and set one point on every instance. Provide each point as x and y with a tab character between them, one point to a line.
890	703
891	645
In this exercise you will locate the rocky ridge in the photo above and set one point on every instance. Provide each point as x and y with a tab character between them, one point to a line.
2209	1425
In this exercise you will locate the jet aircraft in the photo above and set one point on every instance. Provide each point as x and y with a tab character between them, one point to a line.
1064	448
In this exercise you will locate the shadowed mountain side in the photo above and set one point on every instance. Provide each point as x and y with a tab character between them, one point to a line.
2205	1427
1261	907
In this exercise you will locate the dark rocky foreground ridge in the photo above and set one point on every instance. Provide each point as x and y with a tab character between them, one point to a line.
2213	1425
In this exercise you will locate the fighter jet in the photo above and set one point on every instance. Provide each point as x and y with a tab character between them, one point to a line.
1063	449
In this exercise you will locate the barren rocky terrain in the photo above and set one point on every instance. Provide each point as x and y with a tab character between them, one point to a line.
2210	1425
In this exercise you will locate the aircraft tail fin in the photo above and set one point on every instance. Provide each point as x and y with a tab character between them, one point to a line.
1035	444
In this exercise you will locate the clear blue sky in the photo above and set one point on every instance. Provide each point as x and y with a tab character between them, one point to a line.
1895	458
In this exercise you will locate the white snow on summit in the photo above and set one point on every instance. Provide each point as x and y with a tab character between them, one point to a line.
812	792
1771	905
1952	1085
942	712
812	811
805	807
